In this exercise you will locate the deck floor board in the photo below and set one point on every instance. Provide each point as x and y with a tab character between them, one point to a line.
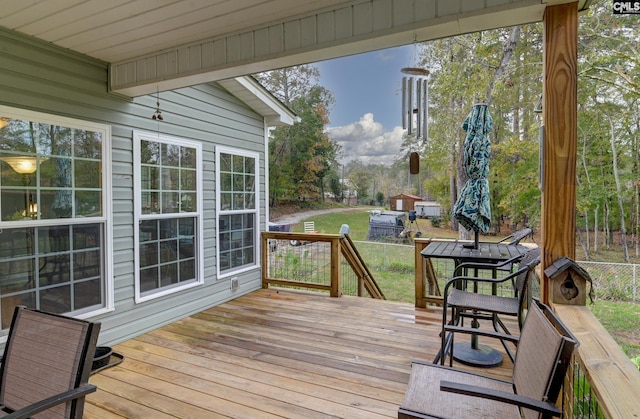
274	353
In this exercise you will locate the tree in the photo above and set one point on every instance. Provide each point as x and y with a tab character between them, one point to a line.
301	156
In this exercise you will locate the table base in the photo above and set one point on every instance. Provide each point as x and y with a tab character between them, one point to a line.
482	356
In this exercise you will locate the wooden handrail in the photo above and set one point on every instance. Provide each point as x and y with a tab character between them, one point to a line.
613	378
360	268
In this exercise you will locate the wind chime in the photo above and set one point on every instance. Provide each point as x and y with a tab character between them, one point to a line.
415	101
415	108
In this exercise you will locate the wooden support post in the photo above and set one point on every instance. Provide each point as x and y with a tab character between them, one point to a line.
559	145
336	281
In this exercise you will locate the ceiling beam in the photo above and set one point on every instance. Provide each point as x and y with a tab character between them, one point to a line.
361	26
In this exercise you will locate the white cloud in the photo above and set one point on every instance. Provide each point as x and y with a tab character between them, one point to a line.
367	141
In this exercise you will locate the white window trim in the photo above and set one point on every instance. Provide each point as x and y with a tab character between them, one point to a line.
107	209
256	238
138	136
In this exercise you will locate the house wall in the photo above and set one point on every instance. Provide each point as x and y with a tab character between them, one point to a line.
43	78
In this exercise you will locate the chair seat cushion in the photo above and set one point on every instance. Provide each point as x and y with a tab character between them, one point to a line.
424	397
483	302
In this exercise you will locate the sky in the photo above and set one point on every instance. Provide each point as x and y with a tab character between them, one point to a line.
365	119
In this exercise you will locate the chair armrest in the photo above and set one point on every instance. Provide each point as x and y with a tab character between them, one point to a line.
49	402
482	332
459	279
484	265
501	396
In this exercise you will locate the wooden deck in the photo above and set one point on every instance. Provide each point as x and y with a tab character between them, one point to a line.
274	353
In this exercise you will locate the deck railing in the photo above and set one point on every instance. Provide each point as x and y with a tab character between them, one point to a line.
324	262
604	381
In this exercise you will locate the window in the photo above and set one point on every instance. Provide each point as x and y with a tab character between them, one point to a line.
54	187
167	174
237	186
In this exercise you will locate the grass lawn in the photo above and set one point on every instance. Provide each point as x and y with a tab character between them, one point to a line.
392	266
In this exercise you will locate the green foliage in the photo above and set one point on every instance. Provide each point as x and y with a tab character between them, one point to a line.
300	156
621	321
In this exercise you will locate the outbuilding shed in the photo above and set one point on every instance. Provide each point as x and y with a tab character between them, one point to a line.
403	202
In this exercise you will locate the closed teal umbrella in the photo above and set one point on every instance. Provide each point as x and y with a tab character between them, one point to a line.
473	207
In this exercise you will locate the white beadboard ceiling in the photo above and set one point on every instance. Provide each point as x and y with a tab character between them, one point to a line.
166	44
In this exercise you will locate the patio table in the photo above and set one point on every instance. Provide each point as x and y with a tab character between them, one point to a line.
471	353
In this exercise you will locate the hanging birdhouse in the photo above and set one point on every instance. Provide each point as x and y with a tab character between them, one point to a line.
567	282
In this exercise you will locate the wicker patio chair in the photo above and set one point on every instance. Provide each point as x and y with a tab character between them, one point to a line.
462	303
544	353
46	365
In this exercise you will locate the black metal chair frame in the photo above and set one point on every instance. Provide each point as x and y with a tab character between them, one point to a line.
470	304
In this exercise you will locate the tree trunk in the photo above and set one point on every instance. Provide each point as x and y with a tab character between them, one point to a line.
586	232
596	217
623	228
453	188
509	47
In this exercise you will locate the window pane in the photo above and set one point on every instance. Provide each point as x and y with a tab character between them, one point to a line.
149	152
16	242
87	174
88	145
168	274
225	162
189	159
225	201
188	180
249	165
238	201
188	202
89	203
18	275
170	155
238	183
148	254
148	279
238	164
150	178
56	300
86	237
150	202
225	182
87	294
170	202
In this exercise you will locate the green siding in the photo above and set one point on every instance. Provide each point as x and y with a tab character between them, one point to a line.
43	78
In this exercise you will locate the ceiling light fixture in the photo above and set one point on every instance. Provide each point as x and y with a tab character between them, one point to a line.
24	165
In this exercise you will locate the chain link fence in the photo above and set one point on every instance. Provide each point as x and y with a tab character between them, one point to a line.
613	281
